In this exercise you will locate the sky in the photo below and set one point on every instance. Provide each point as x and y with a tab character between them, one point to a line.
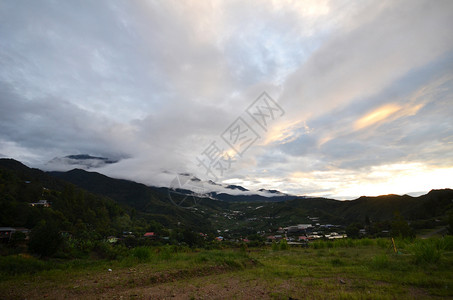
320	98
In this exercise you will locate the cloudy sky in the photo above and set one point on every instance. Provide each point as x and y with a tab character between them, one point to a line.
359	93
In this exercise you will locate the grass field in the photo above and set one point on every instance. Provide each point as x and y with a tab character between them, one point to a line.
346	269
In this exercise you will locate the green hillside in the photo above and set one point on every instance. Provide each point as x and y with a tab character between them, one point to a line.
150	202
106	207
71	209
110	205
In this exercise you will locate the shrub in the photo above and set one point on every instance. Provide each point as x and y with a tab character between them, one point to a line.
319	245
243	247
283	245
17	239
380	261
450	223
426	251
142	253
384	243
445	243
166	252
45	239
349	243
14	265
400	227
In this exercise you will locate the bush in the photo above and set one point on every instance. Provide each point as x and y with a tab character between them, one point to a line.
109	251
400	227
142	253
426	251
353	230
45	239
319	245
275	246
166	252
347	243
283	245
384	243
15	265
17	239
380	261
77	248
445	243
450	223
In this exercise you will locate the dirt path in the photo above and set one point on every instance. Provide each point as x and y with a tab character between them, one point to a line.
218	283
434	232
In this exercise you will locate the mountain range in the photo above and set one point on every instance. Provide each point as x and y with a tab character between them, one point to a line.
223	211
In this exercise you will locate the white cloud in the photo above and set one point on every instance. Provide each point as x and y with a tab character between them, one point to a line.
363	84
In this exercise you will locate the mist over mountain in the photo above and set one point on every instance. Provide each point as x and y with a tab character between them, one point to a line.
84	161
171	207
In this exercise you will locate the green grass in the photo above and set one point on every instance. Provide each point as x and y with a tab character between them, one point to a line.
353	269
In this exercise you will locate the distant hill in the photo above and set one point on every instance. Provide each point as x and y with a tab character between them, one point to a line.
433	204
236	187
151	200
379	208
251	197
150	203
126	192
147	198
243	211
142	197
71	209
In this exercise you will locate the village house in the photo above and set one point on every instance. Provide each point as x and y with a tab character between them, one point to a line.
150	235
112	239
7	232
43	203
297	228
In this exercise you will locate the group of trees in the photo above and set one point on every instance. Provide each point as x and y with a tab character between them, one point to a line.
397	227
77	221
73	212
69	206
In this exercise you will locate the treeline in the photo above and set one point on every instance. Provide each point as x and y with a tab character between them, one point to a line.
76	223
71	209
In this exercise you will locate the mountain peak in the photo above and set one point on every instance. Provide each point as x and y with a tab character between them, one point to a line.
12	164
271	191
236	187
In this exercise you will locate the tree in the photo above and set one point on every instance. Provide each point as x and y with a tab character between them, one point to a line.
186	236
191	238
400	228
17	238
256	240
367	220
283	245
45	239
450	222
353	230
